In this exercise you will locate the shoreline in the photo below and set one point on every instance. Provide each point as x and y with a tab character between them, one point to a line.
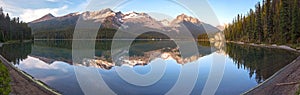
285	47
278	83
23	83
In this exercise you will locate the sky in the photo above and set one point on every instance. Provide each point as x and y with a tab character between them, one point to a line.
29	10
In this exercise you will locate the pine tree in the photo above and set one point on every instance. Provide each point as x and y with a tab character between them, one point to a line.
253	24
284	21
259	30
276	21
268	21
12	29
295	22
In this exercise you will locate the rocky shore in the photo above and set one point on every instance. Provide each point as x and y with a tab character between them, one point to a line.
268	46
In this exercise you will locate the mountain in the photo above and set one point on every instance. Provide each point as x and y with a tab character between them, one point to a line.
165	22
221	27
49	26
136	20
49	23
193	25
44	18
186	18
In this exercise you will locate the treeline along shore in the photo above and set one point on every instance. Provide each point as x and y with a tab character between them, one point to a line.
13	29
271	22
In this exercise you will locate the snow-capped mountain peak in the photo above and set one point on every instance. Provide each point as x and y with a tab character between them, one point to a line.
135	15
165	22
98	15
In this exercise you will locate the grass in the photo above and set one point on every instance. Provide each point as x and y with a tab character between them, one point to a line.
5	88
298	92
15	41
12	41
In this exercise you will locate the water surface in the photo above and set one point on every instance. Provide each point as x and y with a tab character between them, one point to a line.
51	62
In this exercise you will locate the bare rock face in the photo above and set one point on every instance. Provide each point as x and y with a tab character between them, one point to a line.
186	24
184	17
98	15
140	21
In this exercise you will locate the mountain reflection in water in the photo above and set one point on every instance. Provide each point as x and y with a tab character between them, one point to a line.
257	62
255	59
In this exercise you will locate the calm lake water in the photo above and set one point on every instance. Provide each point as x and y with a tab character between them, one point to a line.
51	62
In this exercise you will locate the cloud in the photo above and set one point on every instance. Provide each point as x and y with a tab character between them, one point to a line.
35	63
57	1
26	12
29	10
28	15
52	0
31	63
8	7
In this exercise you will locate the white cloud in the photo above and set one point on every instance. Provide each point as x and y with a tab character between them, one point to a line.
8	8
65	1
48	78
52	0
31	63
35	63
28	15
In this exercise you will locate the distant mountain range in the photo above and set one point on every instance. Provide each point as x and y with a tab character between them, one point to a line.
50	26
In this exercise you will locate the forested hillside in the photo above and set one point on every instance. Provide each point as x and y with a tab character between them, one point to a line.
272	22
13	29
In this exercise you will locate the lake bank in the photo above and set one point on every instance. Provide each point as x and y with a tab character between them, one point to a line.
284	82
24	84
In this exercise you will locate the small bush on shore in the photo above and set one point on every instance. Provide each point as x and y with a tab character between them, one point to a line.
298	92
4	80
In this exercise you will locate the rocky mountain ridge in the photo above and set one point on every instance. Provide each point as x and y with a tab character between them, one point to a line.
114	20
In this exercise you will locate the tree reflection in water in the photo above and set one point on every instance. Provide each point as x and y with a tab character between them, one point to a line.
260	62
263	62
16	52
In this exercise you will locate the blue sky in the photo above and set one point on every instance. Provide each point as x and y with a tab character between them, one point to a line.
29	10
226	10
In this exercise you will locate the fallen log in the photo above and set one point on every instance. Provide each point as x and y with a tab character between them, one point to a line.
290	83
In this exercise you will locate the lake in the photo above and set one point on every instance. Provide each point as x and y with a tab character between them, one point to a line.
244	66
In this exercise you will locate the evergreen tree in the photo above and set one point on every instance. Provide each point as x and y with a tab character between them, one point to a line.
12	29
259	29
268	26
276	21
295	22
253	28
284	23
